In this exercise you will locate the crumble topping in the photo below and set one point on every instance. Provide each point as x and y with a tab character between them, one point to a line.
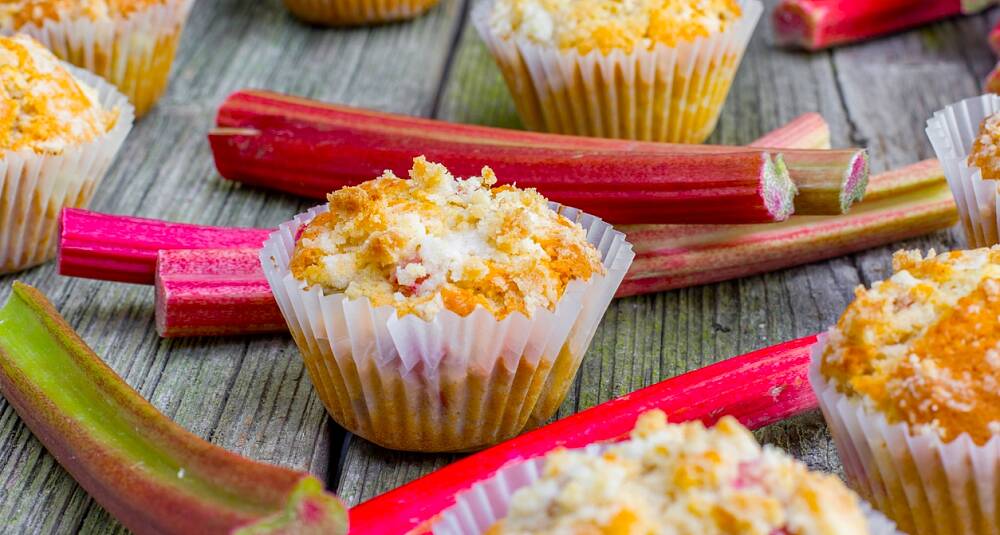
17	13
607	25
42	106
682	479
986	148
438	242
924	346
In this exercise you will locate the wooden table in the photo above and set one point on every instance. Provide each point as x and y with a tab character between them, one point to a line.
252	395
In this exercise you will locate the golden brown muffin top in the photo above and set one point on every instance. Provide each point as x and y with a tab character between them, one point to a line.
607	25
924	346
42	106
438	242
682	479
17	13
986	148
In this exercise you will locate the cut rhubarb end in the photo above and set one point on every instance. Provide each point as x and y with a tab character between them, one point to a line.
829	182
148	472
214	292
778	190
759	389
855	183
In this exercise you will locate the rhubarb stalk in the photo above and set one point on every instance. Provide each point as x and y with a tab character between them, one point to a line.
759	389
818	24
147	471
995	38
310	148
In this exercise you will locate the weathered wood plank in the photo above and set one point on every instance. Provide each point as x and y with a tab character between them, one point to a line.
250	395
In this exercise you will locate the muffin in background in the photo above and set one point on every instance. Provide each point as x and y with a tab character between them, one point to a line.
654	70
670	479
442	314
60	128
357	12
909	381
130	43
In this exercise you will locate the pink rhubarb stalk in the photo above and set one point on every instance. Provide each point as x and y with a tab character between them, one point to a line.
119	248
995	38
759	389
310	148
148	472
818	24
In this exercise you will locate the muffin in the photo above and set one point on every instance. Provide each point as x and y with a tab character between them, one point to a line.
355	12
677	479
130	43
442	314
60	128
909	381
654	70
965	136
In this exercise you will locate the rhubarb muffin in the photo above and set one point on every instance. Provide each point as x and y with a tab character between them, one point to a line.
60	128
676	479
909	380
356	12
655	70
438	313
130	43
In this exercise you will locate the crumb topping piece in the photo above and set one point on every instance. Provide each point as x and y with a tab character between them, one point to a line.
682	479
986	148
17	13
924	346
42	106
607	25
438	242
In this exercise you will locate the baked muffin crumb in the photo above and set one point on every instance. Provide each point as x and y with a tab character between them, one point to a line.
17	13
985	152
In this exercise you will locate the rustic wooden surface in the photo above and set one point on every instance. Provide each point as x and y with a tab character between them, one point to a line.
251	394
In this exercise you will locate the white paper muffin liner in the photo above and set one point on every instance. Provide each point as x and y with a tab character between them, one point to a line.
34	187
487	502
134	53
454	383
924	485
672	94
352	12
952	132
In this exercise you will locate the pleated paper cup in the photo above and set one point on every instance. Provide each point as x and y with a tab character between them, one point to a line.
952	132
134	52
34	188
925	485
355	12
451	384
670	94
487	502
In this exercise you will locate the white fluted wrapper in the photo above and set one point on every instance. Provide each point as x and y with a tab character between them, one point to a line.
352	12
952	132
454	383
671	94
134	52
34	187
487	502
927	486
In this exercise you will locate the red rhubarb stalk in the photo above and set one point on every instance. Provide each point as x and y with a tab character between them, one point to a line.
759	389
147	471
807	131
818	24
119	248
995	38
310	148
214	292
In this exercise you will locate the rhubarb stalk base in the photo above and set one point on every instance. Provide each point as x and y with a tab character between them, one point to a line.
454	383
671	94
34	188
927	486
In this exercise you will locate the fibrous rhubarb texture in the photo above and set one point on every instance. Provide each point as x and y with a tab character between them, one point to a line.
818	24
908	203
759	388
119	248
147	471
310	148
214	292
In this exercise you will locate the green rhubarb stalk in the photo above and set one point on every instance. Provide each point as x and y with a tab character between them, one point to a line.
151	474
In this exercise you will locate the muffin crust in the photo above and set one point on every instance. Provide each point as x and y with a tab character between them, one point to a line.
16	13
43	108
605	25
437	242
985	152
924	346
